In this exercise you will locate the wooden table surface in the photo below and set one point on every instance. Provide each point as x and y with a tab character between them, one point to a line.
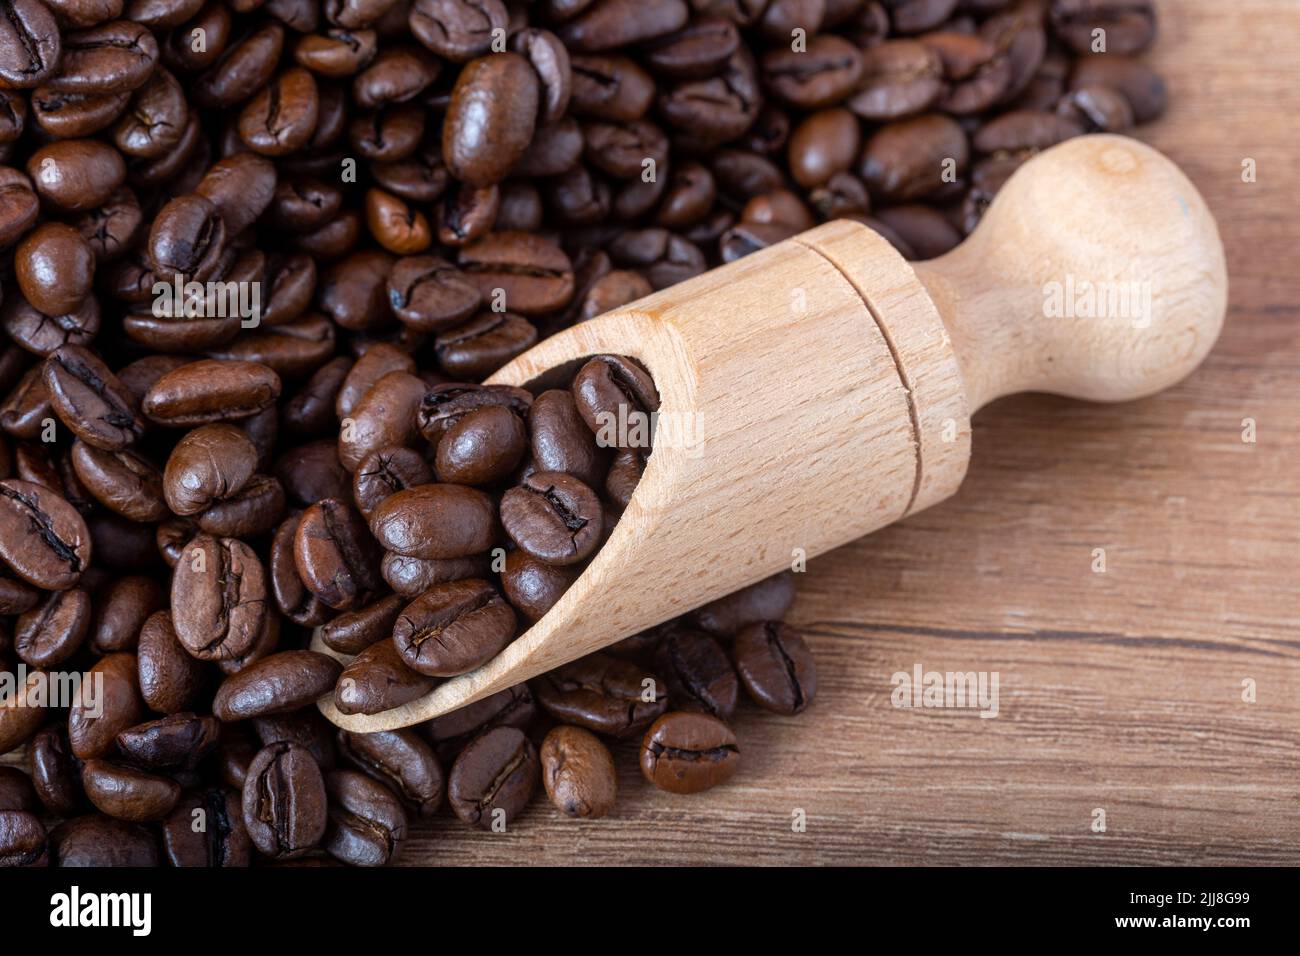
1119	690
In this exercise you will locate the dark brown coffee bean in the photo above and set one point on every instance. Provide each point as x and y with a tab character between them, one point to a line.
483	447
98	840
281	117
908	159
494	778
685	752
90	400
765	600
411	577
386	472
76	175
170	680
54	266
30	44
55	773
367	824
603	694
578	772
697	672
23	840
210	463
284	801
1129	26
453	628
42	538
377	680
383	418
354	631
554	517
402	761
16	791
776	667
435	521
206	828
430	294
491	118
176	742
22	712
219	598
561	440
187	239
54	630
276	684
1142	87
534	586
96	719
211	390
335	555
457	29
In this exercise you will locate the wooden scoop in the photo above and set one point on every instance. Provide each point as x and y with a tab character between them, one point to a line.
822	388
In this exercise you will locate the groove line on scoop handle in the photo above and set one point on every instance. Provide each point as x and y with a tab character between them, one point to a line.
913	413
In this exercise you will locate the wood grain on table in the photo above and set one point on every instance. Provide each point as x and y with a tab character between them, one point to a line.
1121	690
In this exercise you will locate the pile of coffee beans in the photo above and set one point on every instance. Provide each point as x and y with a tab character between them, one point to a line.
255	258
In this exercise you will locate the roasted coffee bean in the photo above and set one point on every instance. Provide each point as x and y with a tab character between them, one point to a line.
384	417
482	345
367	824
905	160
400	760
222	840
384	473
493	778
219	598
453	628
491	118
335	555
776	667
411	577
98	840
42	538
482	447
54	630
284	801
561	440
554	517
435	521
697	673
311	472
126	793
30	44
305	727
603	694
210	391
187	240
54	266
578	773
76	175
170	679
766	600
377	680
1129	26
16	791
22	712
534	586
615	397
176	742
123	481
275	685
55	772
23	840
90	400
96	719
354	631
210	463
684	752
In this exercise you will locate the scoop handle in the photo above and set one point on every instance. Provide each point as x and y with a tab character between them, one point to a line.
1097	273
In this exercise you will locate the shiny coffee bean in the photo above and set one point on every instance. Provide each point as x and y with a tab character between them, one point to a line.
284	801
578	773
685	752
493	778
